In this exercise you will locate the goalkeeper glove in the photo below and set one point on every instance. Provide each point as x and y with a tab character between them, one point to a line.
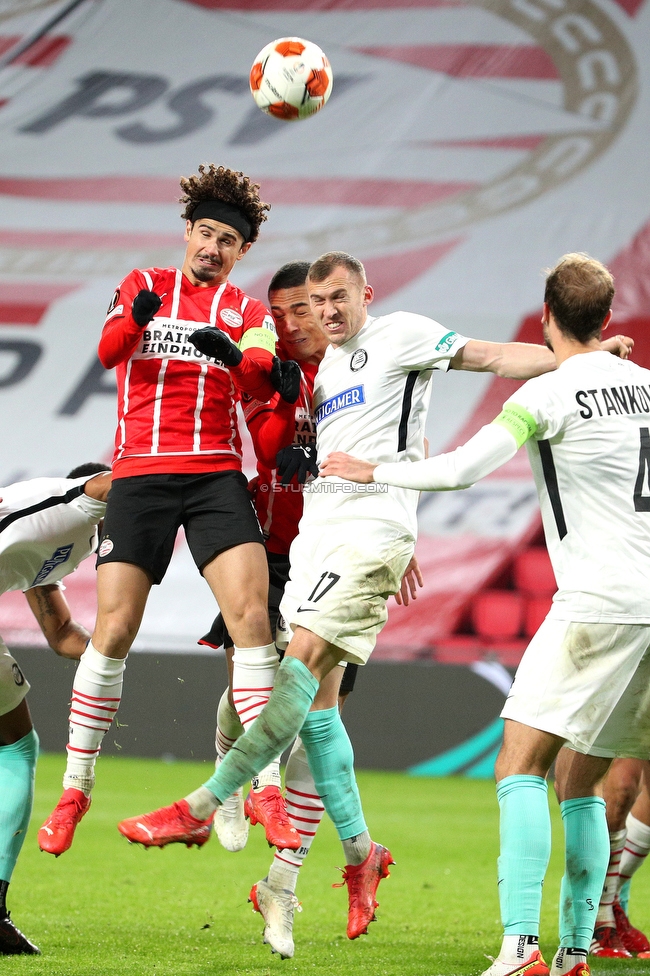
216	344
144	307
285	378
297	459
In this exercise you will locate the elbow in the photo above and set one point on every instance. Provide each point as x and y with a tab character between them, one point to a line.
107	361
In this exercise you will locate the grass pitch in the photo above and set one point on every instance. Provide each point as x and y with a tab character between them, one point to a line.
106	907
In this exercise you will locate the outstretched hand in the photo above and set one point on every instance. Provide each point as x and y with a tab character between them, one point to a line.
345	466
411	579
618	345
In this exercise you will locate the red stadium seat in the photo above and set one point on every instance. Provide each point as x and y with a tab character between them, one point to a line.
498	614
533	573
536	609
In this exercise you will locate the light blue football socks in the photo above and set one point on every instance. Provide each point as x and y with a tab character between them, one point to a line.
525	830
587	856
17	771
331	761
272	731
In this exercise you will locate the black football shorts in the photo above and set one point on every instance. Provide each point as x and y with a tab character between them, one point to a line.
145	512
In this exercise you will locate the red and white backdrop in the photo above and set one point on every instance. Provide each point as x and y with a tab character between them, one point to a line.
467	145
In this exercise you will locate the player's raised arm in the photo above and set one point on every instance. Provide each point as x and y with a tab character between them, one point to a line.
272	426
522	360
514	360
131	309
486	451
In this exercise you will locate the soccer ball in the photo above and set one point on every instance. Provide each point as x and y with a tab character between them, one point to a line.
291	78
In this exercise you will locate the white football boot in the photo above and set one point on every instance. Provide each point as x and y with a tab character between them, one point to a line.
230	824
277	909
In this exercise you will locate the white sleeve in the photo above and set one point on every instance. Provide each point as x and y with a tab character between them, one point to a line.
420	343
487	450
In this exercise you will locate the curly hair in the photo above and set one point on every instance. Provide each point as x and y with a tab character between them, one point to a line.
219	183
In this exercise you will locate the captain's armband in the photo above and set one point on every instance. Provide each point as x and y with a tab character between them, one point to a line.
518	421
262	338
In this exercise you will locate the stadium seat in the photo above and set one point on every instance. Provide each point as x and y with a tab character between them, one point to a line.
498	614
536	609
533	573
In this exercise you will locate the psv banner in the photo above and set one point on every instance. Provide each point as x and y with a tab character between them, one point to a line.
466	147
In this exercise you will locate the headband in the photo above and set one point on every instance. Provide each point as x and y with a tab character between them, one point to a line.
225	213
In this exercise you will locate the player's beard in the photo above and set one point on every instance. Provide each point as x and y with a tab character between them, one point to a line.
206	272
547	338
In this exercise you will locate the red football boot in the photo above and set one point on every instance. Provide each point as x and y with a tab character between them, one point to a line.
168	825
633	939
362	881
533	966
57	833
268	808
580	969
607	945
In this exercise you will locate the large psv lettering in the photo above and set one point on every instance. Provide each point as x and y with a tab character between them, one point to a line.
342	401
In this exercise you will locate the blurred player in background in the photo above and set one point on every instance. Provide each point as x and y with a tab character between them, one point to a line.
371	391
184	341
584	678
625	792
47	527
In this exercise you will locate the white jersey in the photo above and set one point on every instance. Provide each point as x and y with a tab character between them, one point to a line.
371	396
47	527
590	455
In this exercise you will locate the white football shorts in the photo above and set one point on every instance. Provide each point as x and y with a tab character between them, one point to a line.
13	683
341	575
590	684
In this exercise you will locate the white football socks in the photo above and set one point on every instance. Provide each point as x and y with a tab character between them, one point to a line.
229	726
515	951
202	803
96	694
305	809
605	914
565	959
356	849
637	847
254	670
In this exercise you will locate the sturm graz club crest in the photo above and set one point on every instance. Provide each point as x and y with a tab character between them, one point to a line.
358	360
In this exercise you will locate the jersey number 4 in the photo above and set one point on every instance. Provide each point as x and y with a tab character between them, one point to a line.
642	502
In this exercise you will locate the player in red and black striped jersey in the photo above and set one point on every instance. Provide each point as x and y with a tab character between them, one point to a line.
185	343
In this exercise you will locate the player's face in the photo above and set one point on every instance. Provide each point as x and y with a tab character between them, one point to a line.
298	330
339	304
212	251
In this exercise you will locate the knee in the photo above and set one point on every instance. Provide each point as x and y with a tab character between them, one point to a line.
114	633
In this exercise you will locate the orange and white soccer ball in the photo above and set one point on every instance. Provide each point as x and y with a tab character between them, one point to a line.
291	78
